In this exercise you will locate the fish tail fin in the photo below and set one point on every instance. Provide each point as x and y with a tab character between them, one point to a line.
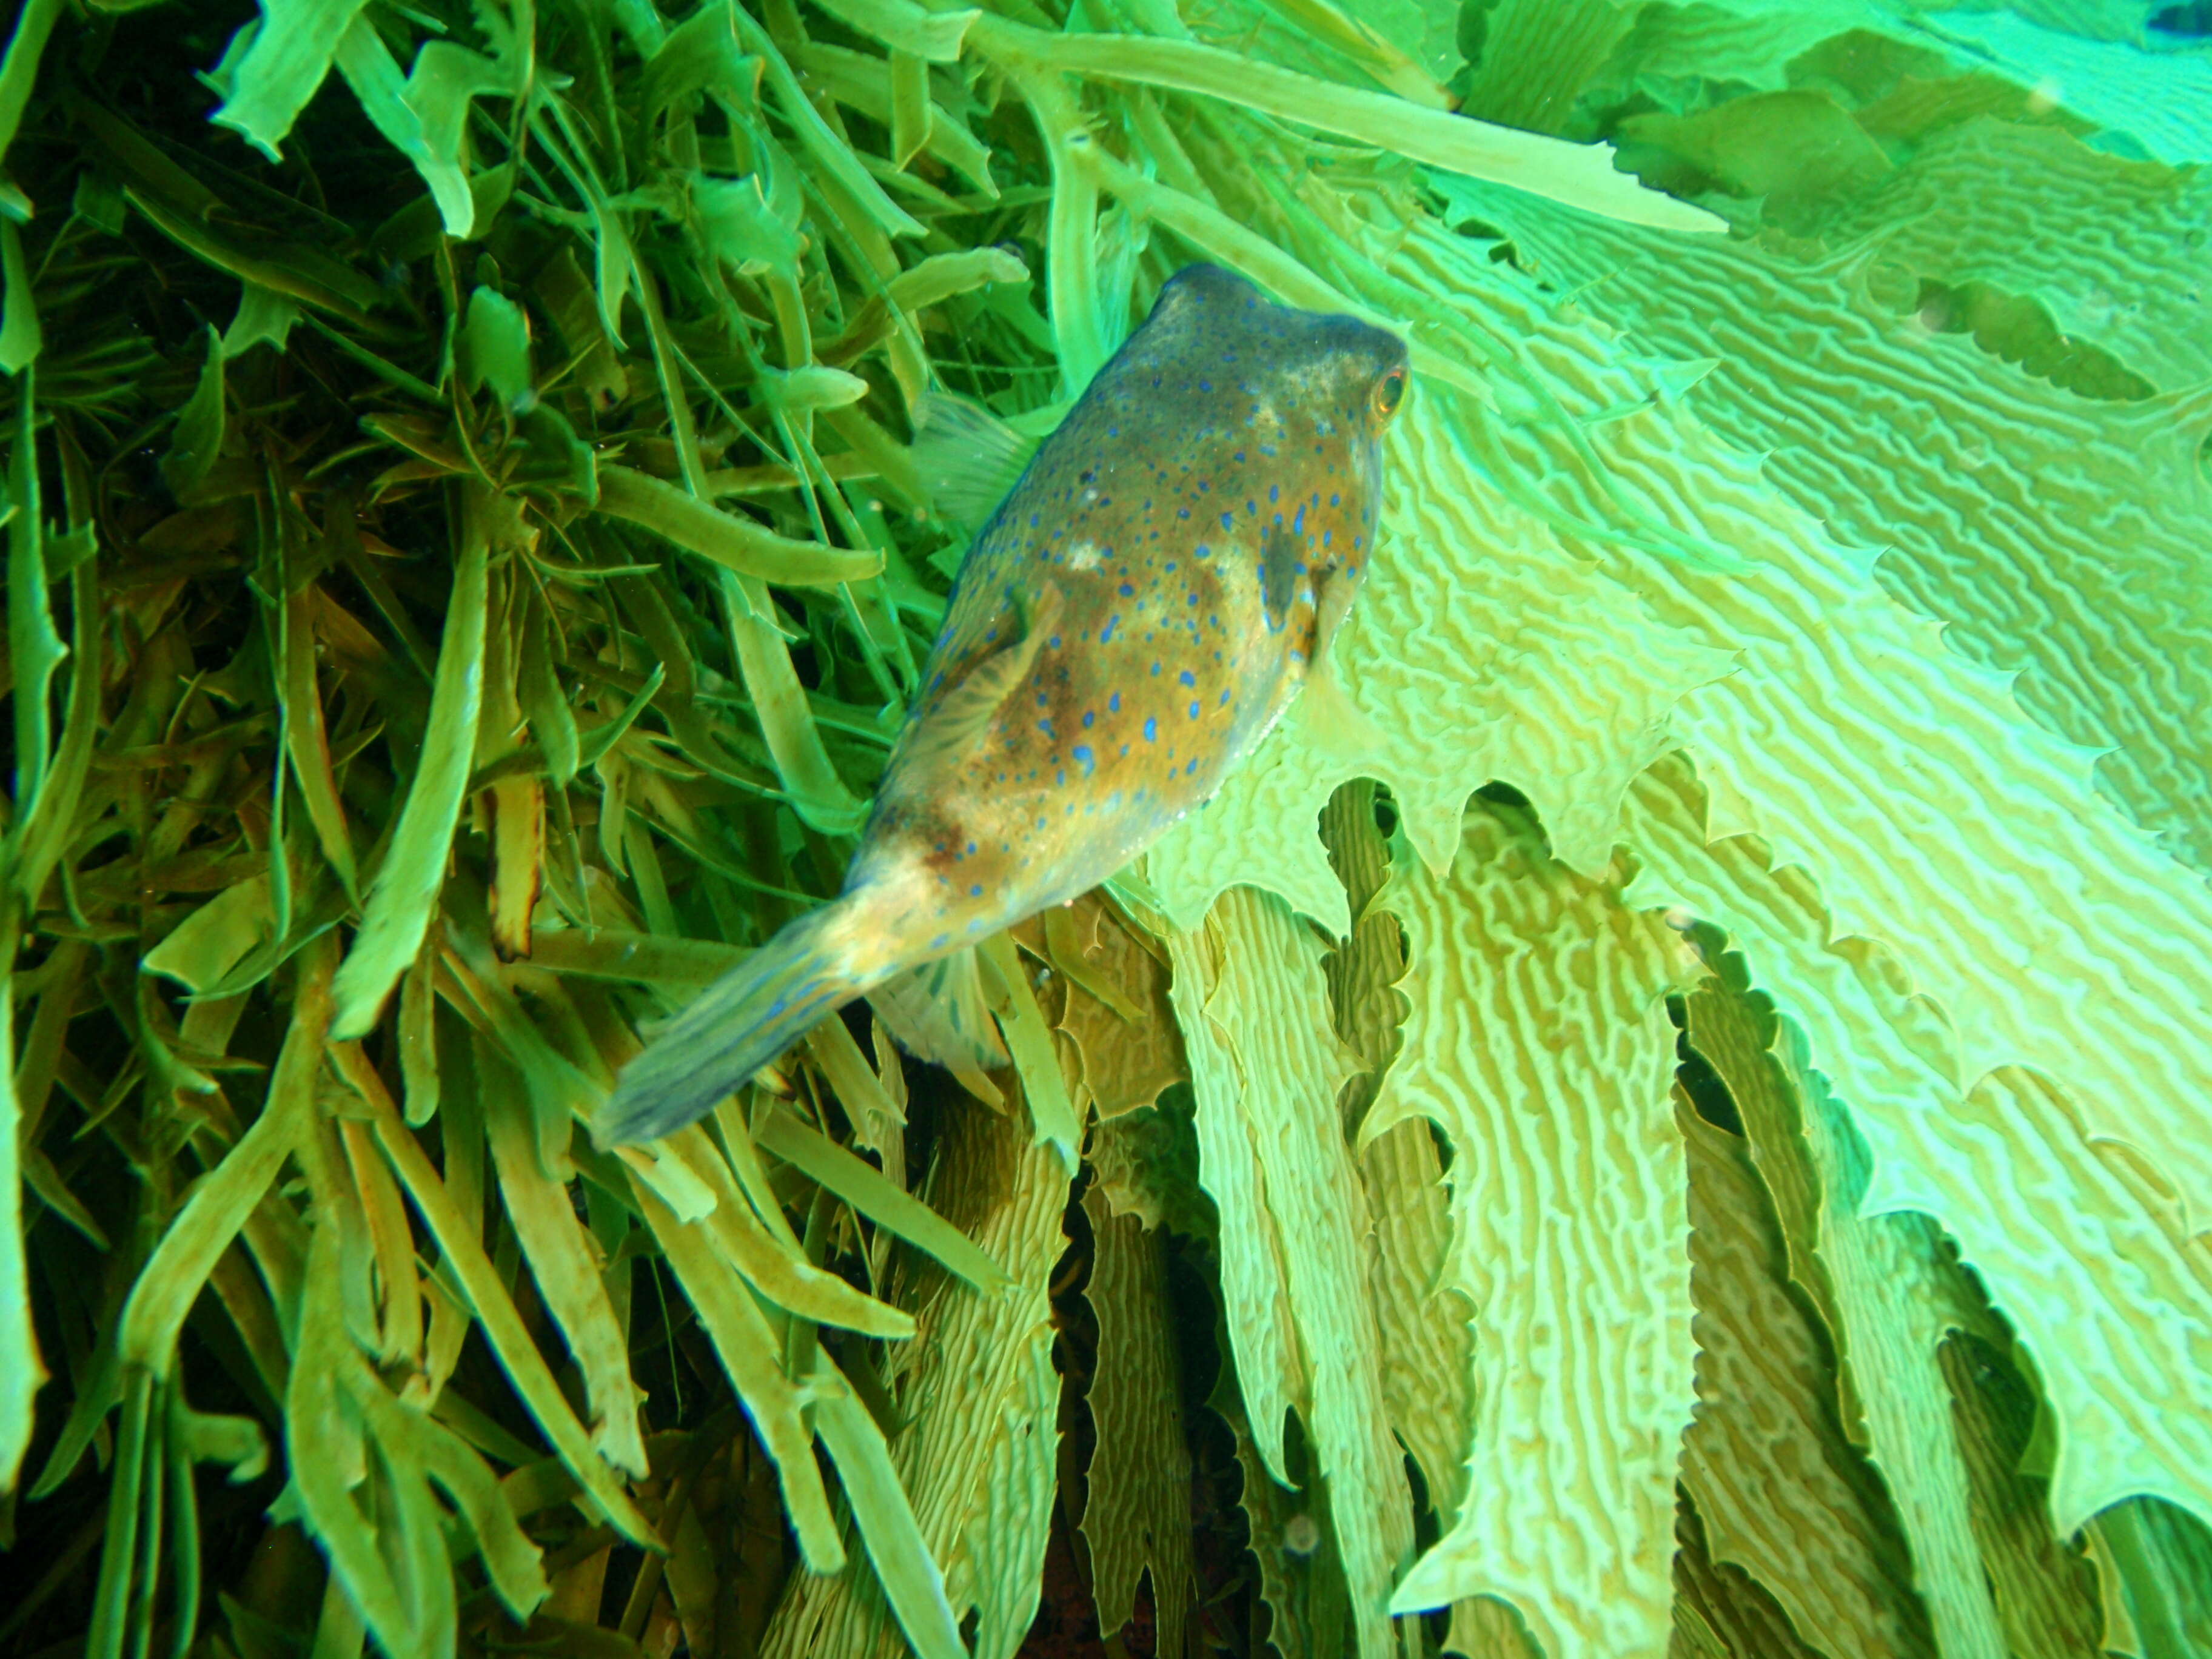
734	1027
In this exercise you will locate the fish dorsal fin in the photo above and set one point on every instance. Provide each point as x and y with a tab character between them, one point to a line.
938	1013
967	709
971	456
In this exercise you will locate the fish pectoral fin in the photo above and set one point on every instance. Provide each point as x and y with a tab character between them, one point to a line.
1332	719
968	708
1331	605
1335	722
974	457
938	1012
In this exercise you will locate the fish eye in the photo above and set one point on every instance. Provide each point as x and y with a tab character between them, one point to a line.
1389	393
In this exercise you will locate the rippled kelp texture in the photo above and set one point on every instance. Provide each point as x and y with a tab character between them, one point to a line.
1732	1181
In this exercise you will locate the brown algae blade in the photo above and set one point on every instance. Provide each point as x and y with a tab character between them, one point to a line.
406	886
504	1332
733	541
869	1193
1576	175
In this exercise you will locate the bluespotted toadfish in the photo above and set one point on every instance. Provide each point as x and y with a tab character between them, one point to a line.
1163	578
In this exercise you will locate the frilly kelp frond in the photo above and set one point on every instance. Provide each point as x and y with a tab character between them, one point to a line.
1680	1128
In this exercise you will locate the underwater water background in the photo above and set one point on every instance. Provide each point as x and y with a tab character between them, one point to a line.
1688	1136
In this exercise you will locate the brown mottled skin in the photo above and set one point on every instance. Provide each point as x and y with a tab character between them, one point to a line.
1136	614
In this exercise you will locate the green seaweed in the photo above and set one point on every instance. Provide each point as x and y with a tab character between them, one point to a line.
1701	1149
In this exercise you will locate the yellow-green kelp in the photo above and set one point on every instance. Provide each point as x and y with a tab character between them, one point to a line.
1692	1143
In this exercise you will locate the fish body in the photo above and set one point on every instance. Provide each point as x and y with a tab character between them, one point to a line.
1139	611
